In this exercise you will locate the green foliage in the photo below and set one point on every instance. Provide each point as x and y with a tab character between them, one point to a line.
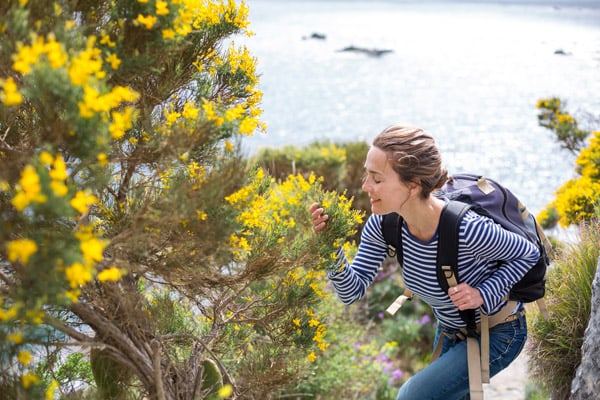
320	158
555	343
533	392
212	380
110	377
553	116
359	363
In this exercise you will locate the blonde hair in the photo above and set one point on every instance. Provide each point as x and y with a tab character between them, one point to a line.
414	156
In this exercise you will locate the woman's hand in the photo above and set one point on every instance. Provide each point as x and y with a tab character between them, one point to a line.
319	219
464	296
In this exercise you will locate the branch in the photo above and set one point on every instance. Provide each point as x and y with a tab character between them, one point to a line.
60	326
160	390
5	278
105	328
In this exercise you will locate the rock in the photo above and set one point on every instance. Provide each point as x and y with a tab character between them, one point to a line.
315	35
586	384
561	52
369	52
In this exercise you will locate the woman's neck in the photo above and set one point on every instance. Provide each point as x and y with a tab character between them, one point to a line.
423	217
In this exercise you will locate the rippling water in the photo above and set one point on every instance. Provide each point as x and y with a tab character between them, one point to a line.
469	73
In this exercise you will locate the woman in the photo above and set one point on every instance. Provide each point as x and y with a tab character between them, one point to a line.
403	174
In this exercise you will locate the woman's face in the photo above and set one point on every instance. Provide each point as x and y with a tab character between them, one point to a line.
386	191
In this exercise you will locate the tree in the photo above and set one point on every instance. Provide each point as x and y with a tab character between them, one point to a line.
133	231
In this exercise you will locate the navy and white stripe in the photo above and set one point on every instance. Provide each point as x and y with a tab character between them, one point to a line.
490	258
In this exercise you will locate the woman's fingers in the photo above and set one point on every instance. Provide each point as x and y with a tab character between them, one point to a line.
319	219
465	297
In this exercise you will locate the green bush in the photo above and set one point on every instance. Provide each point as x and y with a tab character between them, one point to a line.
555	343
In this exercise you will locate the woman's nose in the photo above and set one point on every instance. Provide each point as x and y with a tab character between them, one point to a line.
365	186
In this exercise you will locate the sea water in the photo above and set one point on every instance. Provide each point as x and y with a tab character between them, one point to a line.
470	73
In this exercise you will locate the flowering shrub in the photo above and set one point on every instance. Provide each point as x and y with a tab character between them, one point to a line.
575	199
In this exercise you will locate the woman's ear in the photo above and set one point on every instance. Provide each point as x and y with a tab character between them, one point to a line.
414	188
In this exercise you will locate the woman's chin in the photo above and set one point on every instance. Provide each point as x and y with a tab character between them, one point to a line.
376	209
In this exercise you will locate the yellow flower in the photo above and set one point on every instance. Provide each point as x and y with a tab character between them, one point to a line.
147	21
16	338
59	188
46	158
21	249
312	356
9	314
51	390
122	122
35	316
102	159
248	126
27	56
162	7
25	357
78	274
10	96
59	169
110	274
114	61
86	64
54	51
92	249
73	295
225	391
29	379
168	33
105	39
82	201
190	111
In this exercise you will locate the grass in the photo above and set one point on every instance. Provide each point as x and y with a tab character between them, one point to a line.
555	343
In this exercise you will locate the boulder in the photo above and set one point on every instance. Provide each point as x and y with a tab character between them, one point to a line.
586	384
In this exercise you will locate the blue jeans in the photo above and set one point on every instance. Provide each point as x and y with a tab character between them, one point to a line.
447	378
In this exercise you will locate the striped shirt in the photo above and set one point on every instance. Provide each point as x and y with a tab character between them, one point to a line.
482	244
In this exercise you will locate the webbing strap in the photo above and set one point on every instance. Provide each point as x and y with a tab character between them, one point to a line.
543	309
474	365
485	348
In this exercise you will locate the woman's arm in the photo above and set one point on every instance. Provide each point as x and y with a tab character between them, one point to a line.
352	280
486	240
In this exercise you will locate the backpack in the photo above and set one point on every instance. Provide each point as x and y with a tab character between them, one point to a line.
486	197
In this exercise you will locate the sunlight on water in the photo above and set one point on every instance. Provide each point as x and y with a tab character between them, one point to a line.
470	74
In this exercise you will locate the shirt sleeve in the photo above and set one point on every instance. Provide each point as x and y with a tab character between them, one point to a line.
353	279
510	254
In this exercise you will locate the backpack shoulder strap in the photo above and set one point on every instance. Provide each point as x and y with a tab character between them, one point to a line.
391	226
447	251
447	254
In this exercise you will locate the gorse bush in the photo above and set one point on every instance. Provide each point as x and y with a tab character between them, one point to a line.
132	230
555	343
577	198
